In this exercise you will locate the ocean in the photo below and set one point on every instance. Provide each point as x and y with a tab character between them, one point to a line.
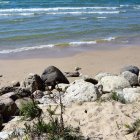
47	27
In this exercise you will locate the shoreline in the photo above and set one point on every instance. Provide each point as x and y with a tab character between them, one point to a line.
91	62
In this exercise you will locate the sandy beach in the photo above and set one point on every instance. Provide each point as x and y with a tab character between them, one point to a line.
91	63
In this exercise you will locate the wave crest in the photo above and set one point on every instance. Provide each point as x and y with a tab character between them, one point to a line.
74	44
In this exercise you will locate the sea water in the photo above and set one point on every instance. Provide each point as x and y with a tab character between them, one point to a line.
35	25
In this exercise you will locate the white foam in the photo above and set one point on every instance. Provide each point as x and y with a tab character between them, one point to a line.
4	2
83	18
25	49
77	13
54	9
16	14
82	43
137	7
78	43
109	39
125	5
101	17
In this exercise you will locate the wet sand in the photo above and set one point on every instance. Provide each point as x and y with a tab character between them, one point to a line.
91	63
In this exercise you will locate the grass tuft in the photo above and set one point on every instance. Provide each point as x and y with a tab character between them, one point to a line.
134	128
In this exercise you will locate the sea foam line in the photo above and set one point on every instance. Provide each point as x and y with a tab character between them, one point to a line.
17	14
25	49
60	13
82	43
73	44
54	9
74	13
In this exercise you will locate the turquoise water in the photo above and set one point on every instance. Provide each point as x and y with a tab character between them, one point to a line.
35	25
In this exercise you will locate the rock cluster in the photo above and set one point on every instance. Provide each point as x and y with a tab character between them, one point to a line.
47	88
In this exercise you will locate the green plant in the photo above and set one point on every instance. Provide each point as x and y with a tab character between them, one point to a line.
30	110
54	129
134	128
117	97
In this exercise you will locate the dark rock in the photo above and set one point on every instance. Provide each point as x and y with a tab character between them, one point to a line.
72	74
22	92
6	89
77	68
2	106
131	77
16	94
11	95
53	75
15	83
33	82
9	108
38	94
91	80
130	68
1	121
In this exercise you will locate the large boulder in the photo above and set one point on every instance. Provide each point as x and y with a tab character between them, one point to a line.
8	108
53	75
130	94
33	82
80	91
100	75
113	83
131	77
133	69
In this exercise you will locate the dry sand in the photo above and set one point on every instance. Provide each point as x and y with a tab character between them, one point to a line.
97	120
91	63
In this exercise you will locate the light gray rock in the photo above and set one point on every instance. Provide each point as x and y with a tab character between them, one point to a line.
80	91
113	83
50	99
4	135
62	87
46	100
33	82
20	102
105	97
38	94
11	95
131	68
131	77
100	75
130	94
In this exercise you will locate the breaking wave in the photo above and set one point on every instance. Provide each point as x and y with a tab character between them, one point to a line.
74	44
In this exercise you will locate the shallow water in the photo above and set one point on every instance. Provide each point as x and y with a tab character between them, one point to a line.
43	25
